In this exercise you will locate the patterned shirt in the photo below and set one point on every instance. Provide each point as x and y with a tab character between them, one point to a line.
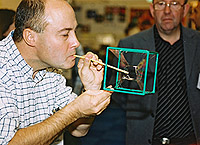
172	122
25	101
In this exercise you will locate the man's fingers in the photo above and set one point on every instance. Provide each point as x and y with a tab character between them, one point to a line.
80	63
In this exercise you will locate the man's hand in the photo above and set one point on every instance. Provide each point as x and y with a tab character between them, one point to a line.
91	73
87	106
92	102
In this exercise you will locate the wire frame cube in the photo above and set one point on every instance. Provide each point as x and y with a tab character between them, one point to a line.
135	72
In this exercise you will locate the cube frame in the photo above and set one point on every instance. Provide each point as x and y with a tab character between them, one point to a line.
144	91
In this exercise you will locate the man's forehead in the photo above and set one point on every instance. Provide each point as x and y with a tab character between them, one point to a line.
60	9
181	1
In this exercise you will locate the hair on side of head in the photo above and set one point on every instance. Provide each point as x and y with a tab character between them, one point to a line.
29	14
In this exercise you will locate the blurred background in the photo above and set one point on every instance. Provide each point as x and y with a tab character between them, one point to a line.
103	23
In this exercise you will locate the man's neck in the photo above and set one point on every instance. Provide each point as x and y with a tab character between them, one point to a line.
172	36
29	55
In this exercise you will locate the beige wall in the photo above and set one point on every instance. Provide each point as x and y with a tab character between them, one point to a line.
9	4
12	4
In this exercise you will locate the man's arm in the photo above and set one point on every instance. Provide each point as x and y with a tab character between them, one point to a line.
91	75
81	126
77	115
46	131
88	104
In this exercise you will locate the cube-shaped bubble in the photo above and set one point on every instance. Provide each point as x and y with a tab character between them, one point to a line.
131	71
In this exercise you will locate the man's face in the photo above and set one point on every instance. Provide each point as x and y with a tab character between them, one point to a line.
57	44
195	16
168	19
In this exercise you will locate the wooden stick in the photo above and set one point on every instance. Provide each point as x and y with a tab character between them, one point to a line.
110	66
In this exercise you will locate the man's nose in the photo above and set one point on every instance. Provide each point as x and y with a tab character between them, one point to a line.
167	8
76	43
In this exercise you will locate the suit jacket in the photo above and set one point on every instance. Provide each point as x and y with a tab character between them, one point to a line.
141	110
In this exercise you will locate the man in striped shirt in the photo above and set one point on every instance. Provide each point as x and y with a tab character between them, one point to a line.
35	105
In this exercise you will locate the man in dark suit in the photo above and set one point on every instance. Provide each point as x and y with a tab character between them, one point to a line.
151	120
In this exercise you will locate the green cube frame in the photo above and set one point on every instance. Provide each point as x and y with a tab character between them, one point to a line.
126	90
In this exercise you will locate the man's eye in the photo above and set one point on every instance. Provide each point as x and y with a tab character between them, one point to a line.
161	3
65	35
174	3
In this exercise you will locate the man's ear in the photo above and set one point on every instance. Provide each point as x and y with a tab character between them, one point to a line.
186	9
29	36
151	10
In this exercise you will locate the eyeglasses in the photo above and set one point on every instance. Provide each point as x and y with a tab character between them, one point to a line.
173	5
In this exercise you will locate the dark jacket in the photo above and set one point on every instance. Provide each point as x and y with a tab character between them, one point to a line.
141	110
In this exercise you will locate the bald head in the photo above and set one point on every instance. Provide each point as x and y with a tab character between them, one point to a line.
33	14
56	9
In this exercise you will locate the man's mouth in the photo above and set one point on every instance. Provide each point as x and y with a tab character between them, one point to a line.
167	19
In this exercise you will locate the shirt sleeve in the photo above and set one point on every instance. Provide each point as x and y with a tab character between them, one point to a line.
9	119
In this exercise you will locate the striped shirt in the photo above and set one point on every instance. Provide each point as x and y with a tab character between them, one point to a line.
173	117
25	101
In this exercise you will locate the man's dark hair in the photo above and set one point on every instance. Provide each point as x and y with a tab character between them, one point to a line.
185	1
6	19
29	14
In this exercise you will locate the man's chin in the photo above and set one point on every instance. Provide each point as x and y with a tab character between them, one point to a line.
168	29
68	66
72	64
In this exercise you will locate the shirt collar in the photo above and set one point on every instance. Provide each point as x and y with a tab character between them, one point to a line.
20	63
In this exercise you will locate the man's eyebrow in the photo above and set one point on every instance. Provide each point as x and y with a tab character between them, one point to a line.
65	29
